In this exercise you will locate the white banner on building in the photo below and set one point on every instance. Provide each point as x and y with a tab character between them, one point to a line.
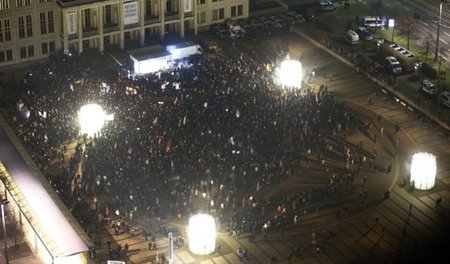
72	23
130	13
187	5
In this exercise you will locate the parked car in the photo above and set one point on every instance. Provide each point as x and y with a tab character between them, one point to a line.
257	26
307	15
351	37
222	34
299	19
267	23
392	65
327	6
445	98
429	88
245	25
288	19
364	34
372	22
236	31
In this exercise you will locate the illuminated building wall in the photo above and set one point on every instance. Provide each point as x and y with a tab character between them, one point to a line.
33	29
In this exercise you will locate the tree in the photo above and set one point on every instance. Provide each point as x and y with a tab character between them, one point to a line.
426	45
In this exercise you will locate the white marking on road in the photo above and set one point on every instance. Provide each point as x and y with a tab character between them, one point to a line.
447	34
407	8
445	58
424	23
445	42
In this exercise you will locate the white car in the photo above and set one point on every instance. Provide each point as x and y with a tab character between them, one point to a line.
429	88
372	22
327	6
392	65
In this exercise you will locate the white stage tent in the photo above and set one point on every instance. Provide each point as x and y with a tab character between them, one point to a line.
154	58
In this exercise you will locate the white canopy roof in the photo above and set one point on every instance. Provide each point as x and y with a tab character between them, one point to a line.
59	230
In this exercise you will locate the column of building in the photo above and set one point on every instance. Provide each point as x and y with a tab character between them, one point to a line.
80	30
181	12
142	23
121	26
101	44
162	16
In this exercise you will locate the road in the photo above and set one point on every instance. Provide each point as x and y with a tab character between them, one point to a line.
422	29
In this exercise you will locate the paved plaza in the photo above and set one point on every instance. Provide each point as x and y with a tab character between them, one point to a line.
373	230
365	228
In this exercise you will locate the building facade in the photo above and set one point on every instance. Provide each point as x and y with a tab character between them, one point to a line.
33	29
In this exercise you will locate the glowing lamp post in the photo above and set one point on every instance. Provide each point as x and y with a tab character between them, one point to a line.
91	118
423	170
289	74
202	234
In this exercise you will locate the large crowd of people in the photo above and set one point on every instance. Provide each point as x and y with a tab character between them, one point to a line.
207	126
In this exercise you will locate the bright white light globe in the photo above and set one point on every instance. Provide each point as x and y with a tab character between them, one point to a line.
289	74
202	234
423	170
91	118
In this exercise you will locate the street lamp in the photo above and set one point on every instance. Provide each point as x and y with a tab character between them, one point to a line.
438	28
3	203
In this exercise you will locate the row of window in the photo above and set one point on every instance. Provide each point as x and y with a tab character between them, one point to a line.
27	51
47	24
218	14
202	2
4	4
5	30
26	26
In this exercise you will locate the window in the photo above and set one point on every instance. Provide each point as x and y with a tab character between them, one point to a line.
9	56
21	27
107	15
5	30
87	18
2	56
4	4
201	2
30	51
23	3
148	7
240	10
43	23
29	26
52	46
47	23
201	17
51	25
44	48
233	11
218	14
168	6
23	52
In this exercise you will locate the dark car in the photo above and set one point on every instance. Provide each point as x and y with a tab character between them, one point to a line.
222	34
364	34
307	15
